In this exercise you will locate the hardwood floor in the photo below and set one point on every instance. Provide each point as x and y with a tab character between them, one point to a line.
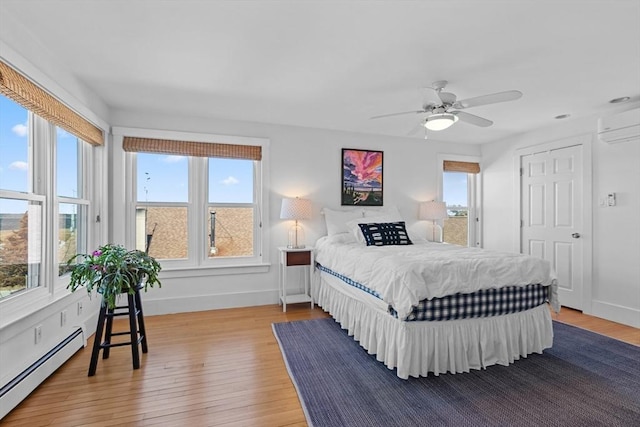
221	367
595	324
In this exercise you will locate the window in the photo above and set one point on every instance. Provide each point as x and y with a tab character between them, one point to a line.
14	146
197	203
72	205
455	191
162	183
28	203
20	251
231	208
44	204
20	207
459	183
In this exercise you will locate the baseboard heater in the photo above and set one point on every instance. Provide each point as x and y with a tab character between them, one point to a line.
16	390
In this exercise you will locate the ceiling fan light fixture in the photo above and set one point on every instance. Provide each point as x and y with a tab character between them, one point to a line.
440	121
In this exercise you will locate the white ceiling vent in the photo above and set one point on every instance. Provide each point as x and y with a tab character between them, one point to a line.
620	127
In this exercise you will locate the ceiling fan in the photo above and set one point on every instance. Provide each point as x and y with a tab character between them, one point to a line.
446	110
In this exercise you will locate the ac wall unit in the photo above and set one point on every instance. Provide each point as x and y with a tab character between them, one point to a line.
620	127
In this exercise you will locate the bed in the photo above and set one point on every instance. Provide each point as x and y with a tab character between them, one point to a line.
431	308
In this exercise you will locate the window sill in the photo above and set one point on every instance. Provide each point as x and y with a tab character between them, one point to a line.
208	270
34	303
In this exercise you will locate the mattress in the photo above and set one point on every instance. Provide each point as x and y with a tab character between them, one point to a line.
482	303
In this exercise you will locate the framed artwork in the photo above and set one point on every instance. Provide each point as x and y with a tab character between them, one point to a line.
361	177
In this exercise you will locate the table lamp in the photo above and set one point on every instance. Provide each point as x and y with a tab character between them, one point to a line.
296	209
433	211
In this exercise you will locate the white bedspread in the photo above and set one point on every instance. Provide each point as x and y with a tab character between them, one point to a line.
404	275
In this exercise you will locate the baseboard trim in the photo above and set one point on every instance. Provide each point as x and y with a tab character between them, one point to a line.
616	313
24	383
189	303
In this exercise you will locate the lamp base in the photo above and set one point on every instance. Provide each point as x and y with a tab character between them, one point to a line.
437	233
296	237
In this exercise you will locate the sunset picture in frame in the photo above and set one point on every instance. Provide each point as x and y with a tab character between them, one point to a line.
361	177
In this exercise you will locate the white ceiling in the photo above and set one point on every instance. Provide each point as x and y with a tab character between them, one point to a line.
334	64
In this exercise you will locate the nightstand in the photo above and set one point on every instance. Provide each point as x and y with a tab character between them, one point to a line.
298	258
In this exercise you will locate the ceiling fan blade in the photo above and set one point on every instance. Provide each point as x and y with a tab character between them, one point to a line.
472	119
397	114
447	97
509	95
430	97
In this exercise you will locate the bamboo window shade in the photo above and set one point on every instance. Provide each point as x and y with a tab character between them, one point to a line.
26	93
466	167
191	148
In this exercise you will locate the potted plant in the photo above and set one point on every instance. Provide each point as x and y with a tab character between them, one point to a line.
113	270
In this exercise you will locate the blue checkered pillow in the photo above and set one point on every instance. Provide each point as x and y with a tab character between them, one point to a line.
385	233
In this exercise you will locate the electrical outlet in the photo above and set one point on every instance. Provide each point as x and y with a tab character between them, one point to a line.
63	317
79	308
38	334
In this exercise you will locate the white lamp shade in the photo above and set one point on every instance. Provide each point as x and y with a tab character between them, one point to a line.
440	121
433	211
295	209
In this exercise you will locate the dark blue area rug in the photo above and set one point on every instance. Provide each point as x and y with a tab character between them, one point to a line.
586	379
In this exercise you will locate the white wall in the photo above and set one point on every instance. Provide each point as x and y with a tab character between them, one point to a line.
615	237
303	162
616	232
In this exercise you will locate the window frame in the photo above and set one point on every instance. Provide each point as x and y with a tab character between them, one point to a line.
258	222
86	179
42	188
198	262
474	195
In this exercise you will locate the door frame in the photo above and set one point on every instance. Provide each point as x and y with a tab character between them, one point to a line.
586	142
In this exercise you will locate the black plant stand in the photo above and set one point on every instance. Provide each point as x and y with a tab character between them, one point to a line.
136	331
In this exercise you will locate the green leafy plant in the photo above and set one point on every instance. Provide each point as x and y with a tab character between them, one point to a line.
113	270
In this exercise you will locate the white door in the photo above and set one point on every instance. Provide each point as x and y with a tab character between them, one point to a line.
552	220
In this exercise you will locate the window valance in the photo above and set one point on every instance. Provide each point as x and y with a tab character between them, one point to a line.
32	97
467	167
192	148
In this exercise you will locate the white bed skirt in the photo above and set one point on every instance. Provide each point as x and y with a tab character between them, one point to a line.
418	348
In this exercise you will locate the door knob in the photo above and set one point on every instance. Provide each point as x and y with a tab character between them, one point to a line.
576	235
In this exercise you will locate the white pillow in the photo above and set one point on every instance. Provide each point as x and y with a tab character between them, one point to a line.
341	238
337	220
392	212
